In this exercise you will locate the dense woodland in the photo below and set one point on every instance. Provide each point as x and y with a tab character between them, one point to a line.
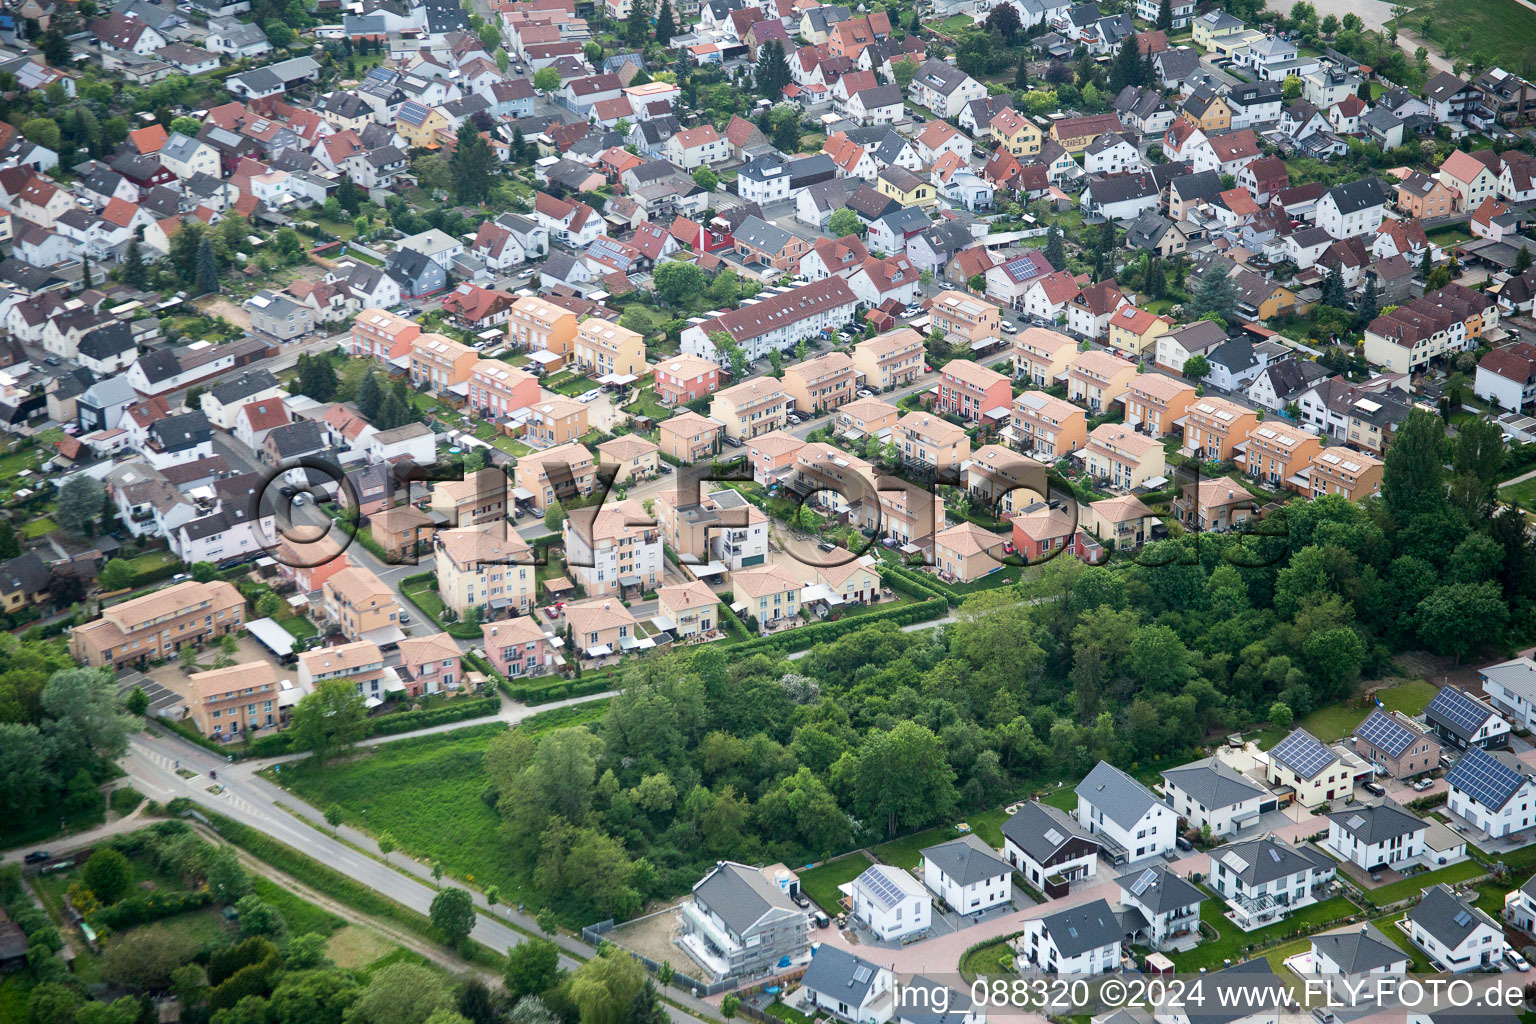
882	732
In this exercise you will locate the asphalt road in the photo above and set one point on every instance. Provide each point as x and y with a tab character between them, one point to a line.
152	763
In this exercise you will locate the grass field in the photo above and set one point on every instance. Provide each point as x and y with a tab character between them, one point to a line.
820	884
1338	720
39	528
1522	494
301	916
1501	31
1407	887
426	792
355	947
993	958
299	627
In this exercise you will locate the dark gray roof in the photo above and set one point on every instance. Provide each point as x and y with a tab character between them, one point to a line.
105	342
1116	794
1040	830
840	974
1235	354
1200	185
249	383
301	437
184	429
966	860
1447	918
1244	986
1160	890
1213	783
1358	952
740	896
1378	823
1358	195
1079	929
24	574
1261	861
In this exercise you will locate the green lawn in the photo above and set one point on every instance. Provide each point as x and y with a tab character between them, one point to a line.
1407	887
1451	234
426	792
787	1014
1339	720
956	23
1231	940
39	528
821	883
1418	963
1063	799
424	597
571	386
300	627
906	851
1522	494
991	959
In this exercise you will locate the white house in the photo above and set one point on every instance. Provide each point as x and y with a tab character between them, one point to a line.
1493	792
944	88
890	902
1507	376
1456	935
967	875
1356	953
1183	11
1377	836
1263	881
1511	688
1041	841
1169	905
1079	940
1211	793
1358	208
848	987
1520	907
1131	822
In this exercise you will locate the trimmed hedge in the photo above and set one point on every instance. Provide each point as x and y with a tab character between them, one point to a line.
913	584
560	689
389	725
153	906
803	637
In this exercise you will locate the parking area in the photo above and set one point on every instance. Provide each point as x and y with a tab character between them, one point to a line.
170	678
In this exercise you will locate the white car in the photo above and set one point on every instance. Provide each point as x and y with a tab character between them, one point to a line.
1009	327
525	275
591	396
1516	961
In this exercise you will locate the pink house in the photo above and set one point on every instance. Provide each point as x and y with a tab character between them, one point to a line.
429	664
970	390
683	378
308	565
518	647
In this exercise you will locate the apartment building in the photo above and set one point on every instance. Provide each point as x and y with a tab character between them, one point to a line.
689	437
1097	379
481	497
751	408
613	548
865	417
930	442
956	313
1214	427
1276	453
382	336
226	703
767	593
156	626
429	664
972	391
497	389
820	383
1437	324
1003	479
360	663
721	527
777	322
1123	457
535	325
440	362
889	360
1042	356
489	568
362	605
1353	474
602	348
556	474
684	378
1154	403
1214	505
1048	425
629	456
966	552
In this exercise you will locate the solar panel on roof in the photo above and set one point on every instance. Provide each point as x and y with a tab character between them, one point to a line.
1459	709
1140	885
861	974
1385	733
1303	753
1054	836
1462	919
1485	778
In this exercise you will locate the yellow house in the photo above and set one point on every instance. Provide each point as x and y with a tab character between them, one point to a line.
1133	332
1208	110
1230	45
421	130
602	348
1016	133
1277	300
1309	767
905	187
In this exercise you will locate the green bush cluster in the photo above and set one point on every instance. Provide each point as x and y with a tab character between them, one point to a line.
803	637
152	906
388	725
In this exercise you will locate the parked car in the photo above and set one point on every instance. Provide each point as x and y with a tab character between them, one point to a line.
300	499
826	545
1182	843
590	396
53	360
865	393
38	856
800	900
1376	788
405	616
1516	961
822	920
1422	785
793	418
525	275
1009	327
734	442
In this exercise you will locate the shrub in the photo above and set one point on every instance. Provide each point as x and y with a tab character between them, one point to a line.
153	906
